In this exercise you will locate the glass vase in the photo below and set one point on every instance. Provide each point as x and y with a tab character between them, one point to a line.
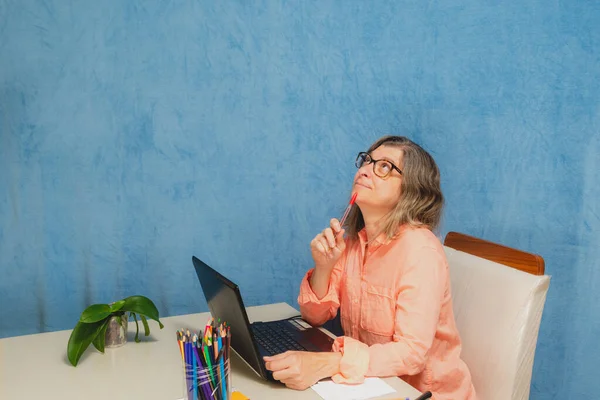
116	331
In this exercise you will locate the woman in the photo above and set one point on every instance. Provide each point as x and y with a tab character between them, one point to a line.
389	278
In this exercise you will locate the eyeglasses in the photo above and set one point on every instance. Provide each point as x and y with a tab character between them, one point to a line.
381	168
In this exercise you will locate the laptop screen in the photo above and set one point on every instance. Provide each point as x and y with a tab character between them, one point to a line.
225	304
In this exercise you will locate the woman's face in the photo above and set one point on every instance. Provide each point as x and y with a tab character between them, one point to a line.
377	194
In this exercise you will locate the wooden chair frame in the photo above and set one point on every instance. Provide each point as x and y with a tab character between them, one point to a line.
518	259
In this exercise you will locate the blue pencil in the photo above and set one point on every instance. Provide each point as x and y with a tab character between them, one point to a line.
188	373
195	371
221	365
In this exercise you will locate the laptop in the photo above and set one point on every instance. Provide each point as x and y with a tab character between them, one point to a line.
253	341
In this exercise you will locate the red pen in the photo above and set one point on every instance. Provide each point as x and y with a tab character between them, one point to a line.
352	200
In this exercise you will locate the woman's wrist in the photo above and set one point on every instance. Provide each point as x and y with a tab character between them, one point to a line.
330	363
319	282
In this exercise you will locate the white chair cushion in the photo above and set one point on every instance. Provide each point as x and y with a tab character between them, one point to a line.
498	311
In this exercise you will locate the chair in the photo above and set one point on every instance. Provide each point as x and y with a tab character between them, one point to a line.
498	312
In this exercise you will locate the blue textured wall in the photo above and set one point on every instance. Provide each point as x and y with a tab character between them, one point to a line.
135	134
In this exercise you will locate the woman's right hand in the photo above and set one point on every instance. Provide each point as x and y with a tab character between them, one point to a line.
327	247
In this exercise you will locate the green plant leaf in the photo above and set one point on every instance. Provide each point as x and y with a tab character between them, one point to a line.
117	305
142	305
95	313
146	327
137	328
99	340
80	339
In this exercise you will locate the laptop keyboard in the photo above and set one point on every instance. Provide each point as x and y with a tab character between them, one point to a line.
275	337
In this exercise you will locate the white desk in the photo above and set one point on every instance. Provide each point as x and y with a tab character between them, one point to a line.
36	366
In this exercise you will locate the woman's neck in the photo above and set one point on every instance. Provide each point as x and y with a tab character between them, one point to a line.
373	221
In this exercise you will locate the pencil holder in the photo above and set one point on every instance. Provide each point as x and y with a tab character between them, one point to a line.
207	383
206	362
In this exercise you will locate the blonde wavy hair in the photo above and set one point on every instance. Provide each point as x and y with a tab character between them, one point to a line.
421	200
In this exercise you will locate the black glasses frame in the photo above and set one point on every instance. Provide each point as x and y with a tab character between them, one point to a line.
365	158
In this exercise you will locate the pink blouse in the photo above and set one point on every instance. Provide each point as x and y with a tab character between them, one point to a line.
396	312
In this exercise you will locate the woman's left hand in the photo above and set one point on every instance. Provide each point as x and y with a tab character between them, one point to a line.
301	369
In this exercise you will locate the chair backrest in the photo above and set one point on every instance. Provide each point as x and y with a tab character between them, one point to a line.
498	312
521	260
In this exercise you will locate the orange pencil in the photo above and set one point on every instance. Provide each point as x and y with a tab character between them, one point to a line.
180	344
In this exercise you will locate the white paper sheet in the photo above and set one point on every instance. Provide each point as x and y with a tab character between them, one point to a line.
370	388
